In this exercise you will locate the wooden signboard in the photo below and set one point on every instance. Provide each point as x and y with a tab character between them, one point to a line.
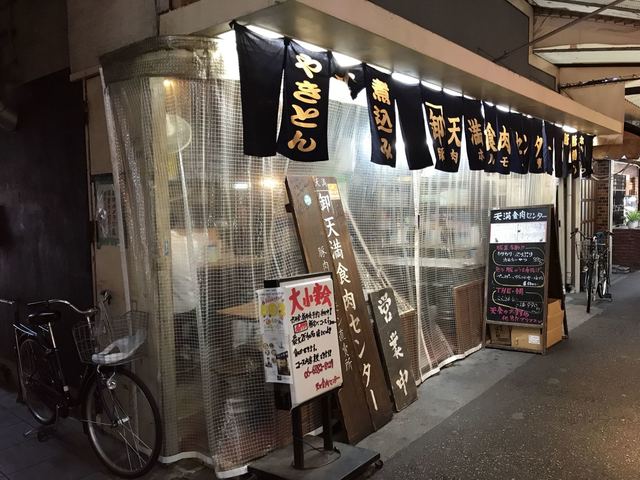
523	272
392	345
325	242
354	409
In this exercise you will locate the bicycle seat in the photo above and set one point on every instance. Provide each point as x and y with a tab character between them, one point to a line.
43	318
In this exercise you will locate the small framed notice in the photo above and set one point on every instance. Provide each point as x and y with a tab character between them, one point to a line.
301	312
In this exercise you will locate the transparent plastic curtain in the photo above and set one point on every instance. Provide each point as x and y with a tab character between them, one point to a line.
205	225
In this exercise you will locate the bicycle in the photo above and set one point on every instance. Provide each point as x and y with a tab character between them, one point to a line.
594	255
117	410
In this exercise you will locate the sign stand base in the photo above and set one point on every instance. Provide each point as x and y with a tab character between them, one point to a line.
346	462
314	458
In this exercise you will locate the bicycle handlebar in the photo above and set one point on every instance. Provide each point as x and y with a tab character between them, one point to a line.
88	313
582	235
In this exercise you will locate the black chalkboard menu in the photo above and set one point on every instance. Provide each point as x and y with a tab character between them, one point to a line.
523	268
517	265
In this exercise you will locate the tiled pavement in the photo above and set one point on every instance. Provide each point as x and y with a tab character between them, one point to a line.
65	456
68	456
60	457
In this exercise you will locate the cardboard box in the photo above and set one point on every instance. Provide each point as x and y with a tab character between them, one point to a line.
554	306
528	338
500	334
555	328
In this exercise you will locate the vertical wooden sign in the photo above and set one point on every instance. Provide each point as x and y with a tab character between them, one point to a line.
392	346
321	194
349	286
309	227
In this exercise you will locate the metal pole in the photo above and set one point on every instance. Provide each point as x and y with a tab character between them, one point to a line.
558	30
298	445
327	433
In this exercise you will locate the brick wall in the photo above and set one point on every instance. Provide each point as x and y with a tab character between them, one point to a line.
626	247
602	169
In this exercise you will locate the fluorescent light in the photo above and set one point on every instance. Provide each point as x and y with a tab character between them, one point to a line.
228	35
311	46
345	60
432	86
382	69
401	77
452	92
489	103
569	129
264	32
503	108
241	186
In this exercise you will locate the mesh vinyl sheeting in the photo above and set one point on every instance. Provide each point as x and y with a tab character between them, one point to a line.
205	225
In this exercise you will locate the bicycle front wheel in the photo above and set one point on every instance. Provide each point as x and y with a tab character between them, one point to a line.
589	284
603	281
123	422
38	381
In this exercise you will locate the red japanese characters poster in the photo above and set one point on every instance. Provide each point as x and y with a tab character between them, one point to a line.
311	332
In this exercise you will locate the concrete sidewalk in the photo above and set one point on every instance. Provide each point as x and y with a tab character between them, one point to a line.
65	456
68	455
572	414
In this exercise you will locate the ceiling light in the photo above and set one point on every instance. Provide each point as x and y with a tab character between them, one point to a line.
432	86
452	92
409	80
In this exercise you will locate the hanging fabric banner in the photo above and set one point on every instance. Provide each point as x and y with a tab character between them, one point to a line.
261	61
382	116
586	147
354	76
444	118
558	161
519	126
566	154
305	106
548	160
408	99
490	137
505	145
474	133
536	147
575	159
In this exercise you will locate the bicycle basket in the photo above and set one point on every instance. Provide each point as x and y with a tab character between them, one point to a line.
584	251
112	341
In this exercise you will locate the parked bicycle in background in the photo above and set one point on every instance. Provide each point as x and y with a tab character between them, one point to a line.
594	257
117	410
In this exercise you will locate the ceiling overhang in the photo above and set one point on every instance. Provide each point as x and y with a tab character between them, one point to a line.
576	55
626	10
367	32
628	150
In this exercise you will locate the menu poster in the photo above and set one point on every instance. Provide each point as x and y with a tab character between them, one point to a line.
311	330
391	342
517	267
275	345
